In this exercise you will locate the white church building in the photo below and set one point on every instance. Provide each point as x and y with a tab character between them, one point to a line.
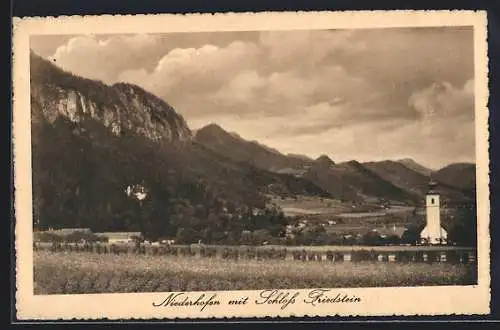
433	233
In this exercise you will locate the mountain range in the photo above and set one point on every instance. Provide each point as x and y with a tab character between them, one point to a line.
402	180
91	140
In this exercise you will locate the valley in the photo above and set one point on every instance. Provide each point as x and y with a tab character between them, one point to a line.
91	141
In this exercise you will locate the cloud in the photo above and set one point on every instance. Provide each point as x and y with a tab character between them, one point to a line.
228	80
46	45
285	47
241	89
188	78
103	59
202	69
288	93
365	93
401	56
442	99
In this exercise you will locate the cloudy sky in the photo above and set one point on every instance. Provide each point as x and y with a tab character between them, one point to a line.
367	94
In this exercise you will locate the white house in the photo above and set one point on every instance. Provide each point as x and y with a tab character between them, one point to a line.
137	190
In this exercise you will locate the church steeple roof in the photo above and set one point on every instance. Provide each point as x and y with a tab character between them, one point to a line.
432	187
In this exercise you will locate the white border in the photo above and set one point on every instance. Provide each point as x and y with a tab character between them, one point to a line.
375	301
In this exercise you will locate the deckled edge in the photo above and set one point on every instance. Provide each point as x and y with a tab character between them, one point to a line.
17	24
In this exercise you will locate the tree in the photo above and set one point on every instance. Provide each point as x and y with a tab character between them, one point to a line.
411	235
334	239
464	232
392	240
372	238
186	236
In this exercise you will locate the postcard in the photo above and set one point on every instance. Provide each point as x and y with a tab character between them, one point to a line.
251	165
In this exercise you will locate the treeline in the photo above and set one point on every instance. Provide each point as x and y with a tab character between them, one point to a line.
255	253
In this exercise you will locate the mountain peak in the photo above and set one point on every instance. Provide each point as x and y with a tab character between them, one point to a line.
413	165
211	132
212	126
407	160
353	163
324	160
235	147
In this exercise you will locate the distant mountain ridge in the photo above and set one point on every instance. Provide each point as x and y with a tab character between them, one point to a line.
413	181
413	165
404	180
459	175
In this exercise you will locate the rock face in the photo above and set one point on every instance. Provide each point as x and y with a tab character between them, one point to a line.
121	107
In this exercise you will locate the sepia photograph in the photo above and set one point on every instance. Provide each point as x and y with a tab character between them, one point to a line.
253	160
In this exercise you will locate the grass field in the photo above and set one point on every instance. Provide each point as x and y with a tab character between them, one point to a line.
315	205
58	273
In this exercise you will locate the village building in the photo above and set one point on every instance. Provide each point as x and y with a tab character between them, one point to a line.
120	237
167	241
137	191
433	233
391	231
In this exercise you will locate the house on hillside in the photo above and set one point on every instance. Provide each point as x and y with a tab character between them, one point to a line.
137	190
121	237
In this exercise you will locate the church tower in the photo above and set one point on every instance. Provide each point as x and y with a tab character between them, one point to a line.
433	233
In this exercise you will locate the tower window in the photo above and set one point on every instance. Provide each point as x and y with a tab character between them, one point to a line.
432	200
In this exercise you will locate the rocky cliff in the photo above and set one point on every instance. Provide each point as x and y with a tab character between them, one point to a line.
121	108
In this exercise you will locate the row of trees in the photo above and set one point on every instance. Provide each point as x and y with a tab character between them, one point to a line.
372	238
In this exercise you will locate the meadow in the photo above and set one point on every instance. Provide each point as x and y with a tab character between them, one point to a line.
81	272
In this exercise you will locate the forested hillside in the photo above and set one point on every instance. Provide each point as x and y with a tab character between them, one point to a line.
92	141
